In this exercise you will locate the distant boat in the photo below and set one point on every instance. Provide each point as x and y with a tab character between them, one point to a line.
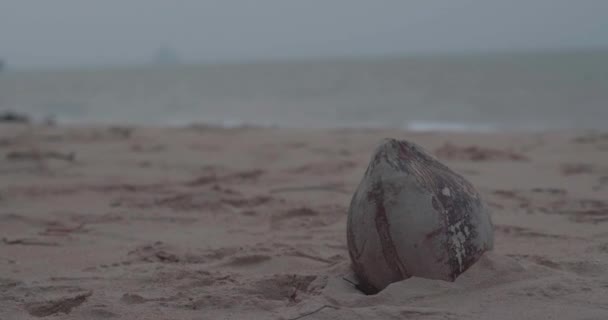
166	55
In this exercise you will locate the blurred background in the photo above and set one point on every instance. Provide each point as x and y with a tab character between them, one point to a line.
421	65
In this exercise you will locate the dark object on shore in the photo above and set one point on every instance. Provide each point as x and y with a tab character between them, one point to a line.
13	117
413	216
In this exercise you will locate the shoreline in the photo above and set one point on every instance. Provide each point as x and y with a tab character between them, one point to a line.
425	127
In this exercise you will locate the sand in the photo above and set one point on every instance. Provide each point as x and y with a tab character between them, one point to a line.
249	223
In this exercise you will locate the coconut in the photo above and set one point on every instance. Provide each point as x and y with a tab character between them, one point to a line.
413	216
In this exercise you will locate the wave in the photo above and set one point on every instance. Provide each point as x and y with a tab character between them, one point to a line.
228	123
422	126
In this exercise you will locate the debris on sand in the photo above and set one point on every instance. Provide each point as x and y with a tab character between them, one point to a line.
9	116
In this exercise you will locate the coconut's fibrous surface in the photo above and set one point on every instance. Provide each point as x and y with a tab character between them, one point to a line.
413	216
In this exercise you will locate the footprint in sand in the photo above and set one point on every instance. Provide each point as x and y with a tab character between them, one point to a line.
231	177
247	260
287	287
324	168
164	253
210	200
592	211
554	201
52	300
100	313
305	217
476	153
156	252
586	268
569	169
129	298
517	232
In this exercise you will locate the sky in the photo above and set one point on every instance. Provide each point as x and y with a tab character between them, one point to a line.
93	32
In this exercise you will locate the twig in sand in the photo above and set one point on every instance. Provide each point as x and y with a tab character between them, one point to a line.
63	230
326	187
301	254
361	288
356	286
40	155
314	311
351	282
29	242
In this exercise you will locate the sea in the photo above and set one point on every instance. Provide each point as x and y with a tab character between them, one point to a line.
460	92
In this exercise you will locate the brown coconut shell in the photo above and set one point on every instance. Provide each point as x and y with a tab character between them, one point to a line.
413	216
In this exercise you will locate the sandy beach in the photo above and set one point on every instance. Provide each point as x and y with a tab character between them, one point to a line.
249	223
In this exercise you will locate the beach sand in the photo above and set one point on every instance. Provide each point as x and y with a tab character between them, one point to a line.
249	223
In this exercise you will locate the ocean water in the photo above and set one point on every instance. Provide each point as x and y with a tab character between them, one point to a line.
482	92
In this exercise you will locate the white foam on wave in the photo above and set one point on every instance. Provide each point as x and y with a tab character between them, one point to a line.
228	123
422	126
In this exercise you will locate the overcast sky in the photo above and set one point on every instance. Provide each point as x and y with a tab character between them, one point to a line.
75	32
